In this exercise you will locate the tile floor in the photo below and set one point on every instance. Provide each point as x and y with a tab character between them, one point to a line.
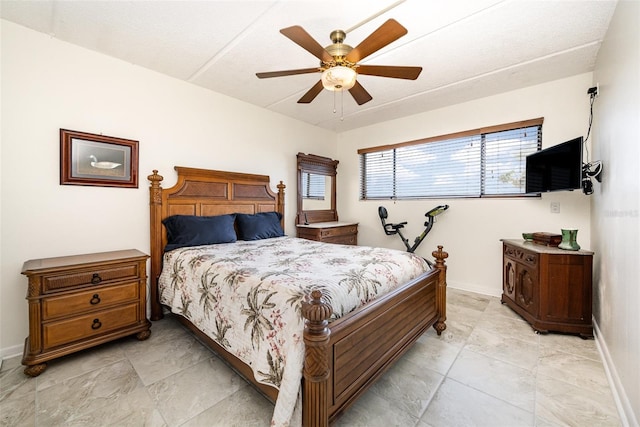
487	369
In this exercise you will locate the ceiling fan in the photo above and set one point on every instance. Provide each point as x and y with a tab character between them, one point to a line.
339	62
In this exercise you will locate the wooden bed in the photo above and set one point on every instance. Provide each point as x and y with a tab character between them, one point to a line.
342	359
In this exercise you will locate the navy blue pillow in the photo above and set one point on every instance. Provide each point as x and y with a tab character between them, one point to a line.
258	226
191	230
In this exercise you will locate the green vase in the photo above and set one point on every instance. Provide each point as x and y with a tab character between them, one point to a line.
569	237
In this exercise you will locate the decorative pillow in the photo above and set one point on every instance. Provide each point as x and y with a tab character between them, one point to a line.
191	230
258	226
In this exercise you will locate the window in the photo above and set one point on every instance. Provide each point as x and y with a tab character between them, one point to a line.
478	163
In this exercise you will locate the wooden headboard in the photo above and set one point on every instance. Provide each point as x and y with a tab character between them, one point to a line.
204	192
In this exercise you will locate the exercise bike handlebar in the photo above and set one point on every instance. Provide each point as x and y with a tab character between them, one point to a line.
437	210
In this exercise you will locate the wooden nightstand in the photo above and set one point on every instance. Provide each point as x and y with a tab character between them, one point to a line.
345	233
77	302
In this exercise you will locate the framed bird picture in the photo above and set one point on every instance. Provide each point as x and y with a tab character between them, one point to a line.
99	160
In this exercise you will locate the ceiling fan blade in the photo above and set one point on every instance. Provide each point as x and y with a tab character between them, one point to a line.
388	32
359	93
311	94
287	72
299	36
409	73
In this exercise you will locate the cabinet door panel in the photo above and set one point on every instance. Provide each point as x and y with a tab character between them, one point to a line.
527	288
569	298
509	278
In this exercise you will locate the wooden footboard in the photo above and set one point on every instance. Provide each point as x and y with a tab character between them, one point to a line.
344	360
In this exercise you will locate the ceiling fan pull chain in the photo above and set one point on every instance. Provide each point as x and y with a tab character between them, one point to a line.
341	105
334	102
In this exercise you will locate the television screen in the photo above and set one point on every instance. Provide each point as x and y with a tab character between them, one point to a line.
555	168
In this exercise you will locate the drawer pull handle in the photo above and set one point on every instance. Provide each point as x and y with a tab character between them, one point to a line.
95	300
96	324
96	279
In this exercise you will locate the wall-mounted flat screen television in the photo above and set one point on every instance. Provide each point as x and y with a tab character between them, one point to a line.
555	168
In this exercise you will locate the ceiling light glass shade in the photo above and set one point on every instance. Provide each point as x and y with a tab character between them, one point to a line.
338	78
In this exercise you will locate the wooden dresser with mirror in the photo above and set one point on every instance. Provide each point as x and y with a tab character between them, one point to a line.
317	216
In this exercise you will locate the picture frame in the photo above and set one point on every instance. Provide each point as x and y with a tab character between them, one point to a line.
97	160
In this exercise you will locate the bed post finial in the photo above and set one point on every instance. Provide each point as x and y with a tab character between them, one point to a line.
315	412
441	291
155	210
440	256
155	190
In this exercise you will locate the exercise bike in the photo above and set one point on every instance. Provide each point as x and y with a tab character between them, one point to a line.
391	229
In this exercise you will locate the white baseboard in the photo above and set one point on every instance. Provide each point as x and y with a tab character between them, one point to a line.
470	287
627	417
9	352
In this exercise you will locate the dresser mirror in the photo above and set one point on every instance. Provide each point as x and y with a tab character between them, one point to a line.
316	192
316	189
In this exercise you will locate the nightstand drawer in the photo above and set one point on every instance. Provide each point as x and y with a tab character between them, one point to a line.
342	240
94	299
330	232
338	231
90	277
92	324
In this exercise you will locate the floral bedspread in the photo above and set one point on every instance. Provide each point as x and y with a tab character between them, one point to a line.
247	296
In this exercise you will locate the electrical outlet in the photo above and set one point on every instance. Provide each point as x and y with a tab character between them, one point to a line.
555	207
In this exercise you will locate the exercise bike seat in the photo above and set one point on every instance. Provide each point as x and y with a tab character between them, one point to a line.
389	229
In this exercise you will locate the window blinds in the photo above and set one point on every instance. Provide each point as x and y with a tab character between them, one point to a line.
483	162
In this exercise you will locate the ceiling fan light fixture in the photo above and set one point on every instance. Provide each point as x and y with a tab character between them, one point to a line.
339	78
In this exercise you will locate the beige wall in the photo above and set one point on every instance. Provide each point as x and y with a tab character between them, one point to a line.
615	208
48	85
472	228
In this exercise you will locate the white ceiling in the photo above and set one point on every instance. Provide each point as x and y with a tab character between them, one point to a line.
468	48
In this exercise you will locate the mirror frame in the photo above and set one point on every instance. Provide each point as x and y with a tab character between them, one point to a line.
311	163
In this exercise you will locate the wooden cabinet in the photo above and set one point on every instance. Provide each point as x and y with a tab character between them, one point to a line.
549	287
345	233
77	302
